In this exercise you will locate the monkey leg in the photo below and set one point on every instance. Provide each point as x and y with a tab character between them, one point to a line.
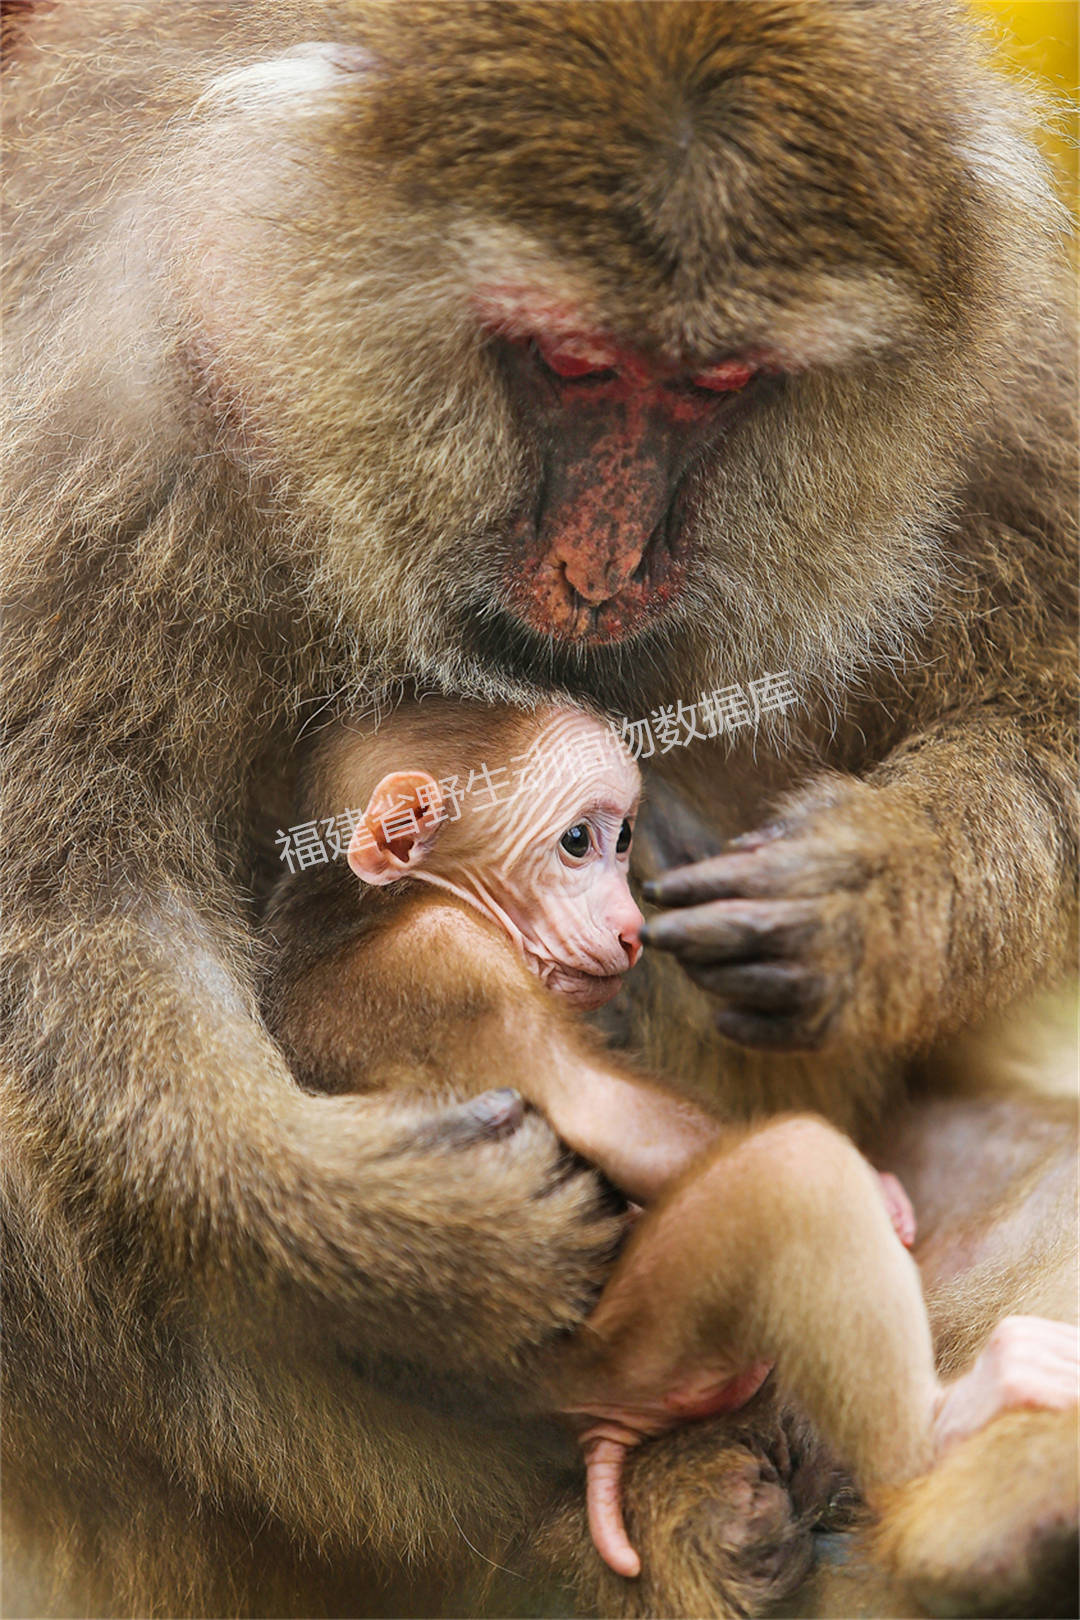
992	1530
778	1248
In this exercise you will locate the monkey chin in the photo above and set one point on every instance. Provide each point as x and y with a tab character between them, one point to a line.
585	991
535	663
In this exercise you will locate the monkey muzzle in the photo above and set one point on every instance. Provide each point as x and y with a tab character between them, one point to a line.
600	553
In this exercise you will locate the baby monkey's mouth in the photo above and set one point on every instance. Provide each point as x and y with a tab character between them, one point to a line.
586	991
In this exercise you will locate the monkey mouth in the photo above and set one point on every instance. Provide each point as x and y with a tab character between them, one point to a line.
544	598
567	616
583	588
584	669
585	991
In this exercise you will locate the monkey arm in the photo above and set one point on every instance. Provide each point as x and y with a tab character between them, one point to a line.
474	1017
243	1316
640	1135
643	1137
176	1122
886	912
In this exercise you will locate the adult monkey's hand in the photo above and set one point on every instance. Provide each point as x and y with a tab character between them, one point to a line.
820	926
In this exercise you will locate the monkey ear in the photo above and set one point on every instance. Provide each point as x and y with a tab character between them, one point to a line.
399	827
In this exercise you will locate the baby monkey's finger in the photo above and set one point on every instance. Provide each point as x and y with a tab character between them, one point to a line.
604	1464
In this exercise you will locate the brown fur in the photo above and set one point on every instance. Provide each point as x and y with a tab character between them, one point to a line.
410	989
259	464
775	1243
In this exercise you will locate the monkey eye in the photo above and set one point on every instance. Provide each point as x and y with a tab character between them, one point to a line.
725	378
622	843
573	357
575	841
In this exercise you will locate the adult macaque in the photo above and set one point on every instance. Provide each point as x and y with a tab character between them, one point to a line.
619	351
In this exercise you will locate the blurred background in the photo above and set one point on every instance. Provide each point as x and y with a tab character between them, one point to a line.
1041	39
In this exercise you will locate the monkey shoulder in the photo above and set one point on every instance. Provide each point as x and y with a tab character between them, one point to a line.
399	983
443	986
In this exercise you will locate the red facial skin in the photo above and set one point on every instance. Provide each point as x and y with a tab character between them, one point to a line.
618	429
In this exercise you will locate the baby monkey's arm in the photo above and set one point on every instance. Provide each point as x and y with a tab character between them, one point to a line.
643	1136
640	1135
474	1020
777	1250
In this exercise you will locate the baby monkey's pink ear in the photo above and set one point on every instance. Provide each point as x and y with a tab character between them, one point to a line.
399	826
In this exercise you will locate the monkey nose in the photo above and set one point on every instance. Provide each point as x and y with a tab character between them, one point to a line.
628	923
630	940
597	578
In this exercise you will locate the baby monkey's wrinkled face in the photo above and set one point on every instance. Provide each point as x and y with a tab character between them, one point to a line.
548	860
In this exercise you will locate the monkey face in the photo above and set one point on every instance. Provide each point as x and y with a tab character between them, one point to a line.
601	329
558	868
549	864
600	554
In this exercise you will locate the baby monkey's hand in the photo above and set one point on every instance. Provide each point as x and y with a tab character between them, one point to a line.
609	1432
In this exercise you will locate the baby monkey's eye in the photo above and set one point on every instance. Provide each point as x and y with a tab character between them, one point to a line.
575	840
626	832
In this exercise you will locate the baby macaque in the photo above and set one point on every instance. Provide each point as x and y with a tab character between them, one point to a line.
493	905
516	833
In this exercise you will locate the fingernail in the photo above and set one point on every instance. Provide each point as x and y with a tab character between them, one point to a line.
650	889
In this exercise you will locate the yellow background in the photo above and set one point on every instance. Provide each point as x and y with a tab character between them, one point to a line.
1041	38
